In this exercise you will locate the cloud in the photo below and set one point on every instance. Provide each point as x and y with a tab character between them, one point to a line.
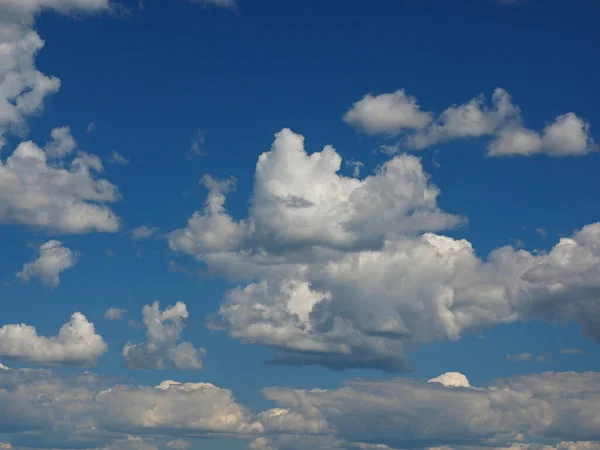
567	135
114	313
91	127
197	146
53	259
76	344
451	379
403	413
571	351
62	197
345	273
109	253
301	207
387	113
23	88
86	410
143	232
520	357
117	158
163	330
62	143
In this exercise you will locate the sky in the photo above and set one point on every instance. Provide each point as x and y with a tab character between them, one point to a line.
299	225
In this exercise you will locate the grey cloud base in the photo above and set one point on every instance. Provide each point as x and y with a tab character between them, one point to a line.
89	411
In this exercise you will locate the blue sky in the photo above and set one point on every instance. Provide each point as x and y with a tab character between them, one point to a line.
451	226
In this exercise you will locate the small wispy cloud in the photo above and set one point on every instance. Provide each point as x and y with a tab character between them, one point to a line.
143	232
197	145
117	158
91	127
571	351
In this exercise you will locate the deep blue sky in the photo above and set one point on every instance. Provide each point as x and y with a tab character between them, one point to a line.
152	79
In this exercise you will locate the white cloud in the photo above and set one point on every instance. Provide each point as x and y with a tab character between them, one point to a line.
197	146
163	331
117	158
343	277
143	232
23	88
114	313
76	344
451	379
54	258
387	113
61	197
62	143
301	206
391	114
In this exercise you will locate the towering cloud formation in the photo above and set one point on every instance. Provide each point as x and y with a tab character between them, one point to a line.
163	330
346	270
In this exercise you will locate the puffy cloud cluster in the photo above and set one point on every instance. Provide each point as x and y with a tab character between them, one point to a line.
302	208
44	409
54	258
391	114
77	344
40	191
163	331
345	277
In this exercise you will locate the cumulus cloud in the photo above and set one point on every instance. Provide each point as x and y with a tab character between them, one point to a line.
345	272
86	410
114	313
143	232
90	411
162	350
77	344
391	114
53	259
302	207
387	113
63	197
23	88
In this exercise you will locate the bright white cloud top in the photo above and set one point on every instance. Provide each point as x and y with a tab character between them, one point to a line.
77	344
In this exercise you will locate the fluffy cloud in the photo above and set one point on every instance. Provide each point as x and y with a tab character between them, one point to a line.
451	379
54	258
60	196
163	330
76	344
23	88
303	209
345	277
387	113
567	135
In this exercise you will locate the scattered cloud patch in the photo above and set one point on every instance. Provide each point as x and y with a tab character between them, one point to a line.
53	259
117	158
571	351
114	313
162	350
143	232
